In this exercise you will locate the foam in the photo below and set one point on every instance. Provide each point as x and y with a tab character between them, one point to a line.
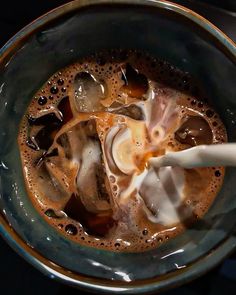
138	220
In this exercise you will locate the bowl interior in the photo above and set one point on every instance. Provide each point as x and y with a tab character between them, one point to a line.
162	33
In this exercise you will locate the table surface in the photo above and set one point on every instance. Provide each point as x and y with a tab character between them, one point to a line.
18	275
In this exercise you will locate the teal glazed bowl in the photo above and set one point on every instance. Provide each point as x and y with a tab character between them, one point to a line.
62	36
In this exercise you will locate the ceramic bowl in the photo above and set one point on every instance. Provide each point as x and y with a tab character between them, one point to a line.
62	36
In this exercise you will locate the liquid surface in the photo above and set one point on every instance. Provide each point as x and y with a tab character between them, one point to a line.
85	141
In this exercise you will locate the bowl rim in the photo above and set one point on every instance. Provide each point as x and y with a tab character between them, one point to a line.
192	271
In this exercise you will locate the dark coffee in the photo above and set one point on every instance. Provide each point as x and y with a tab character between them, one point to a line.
85	141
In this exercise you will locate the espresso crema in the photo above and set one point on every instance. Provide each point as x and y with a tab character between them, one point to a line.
85	141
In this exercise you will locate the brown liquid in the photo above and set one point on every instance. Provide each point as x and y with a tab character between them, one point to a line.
194	131
90	206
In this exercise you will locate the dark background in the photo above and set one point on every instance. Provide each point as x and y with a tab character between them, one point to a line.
18	276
